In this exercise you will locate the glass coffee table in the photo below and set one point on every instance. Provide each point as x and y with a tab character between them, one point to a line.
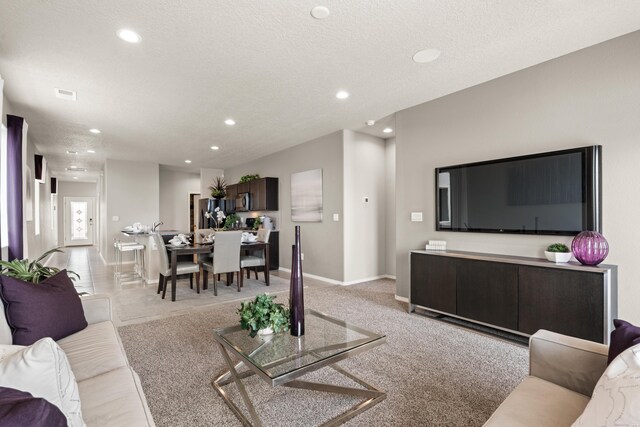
280	359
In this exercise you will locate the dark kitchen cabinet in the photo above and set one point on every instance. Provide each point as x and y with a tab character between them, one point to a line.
264	194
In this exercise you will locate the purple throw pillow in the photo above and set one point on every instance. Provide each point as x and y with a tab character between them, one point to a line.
19	409
51	308
625	335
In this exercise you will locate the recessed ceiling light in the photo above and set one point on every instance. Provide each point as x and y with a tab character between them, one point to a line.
94	130
71	152
187	161
129	36
387	130
229	122
215	147
342	94
320	12
371	122
91	151
426	55
75	177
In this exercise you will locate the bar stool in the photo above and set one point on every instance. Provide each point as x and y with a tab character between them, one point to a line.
138	253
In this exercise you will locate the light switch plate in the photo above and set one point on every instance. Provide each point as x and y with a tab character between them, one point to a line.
115	218
416	216
336	217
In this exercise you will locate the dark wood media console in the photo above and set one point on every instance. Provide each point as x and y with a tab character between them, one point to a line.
516	294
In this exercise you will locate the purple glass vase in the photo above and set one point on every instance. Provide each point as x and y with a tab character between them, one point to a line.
590	247
296	297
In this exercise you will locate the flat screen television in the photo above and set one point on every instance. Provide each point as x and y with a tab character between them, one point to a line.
554	193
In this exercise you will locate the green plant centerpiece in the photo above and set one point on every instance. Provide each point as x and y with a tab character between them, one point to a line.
257	223
218	188
32	271
231	221
263	313
249	178
558	247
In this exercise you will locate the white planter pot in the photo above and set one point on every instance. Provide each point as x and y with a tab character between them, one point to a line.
265	331
558	257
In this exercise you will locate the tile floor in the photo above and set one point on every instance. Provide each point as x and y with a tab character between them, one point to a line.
133	301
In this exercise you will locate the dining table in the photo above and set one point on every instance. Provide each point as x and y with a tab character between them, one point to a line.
207	248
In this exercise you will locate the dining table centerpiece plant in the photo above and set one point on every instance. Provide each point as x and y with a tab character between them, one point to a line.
263	316
558	252
218	188
32	271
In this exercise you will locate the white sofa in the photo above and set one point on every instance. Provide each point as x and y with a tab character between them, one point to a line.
563	371
110	391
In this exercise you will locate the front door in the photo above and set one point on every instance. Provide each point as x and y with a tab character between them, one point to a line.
78	221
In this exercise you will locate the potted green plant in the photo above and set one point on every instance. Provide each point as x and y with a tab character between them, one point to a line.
231	221
263	316
249	178
558	252
218	188
32	271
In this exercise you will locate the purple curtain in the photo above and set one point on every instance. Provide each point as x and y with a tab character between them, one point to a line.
14	186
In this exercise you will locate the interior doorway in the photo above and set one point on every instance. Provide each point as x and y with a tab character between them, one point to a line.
79	221
193	211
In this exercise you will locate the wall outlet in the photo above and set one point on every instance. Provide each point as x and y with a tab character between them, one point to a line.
115	218
302	256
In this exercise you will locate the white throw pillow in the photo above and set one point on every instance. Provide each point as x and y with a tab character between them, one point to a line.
43	370
616	398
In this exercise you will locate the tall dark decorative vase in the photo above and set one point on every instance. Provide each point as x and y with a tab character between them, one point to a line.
296	297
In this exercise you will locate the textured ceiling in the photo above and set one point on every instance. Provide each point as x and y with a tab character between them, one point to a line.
267	64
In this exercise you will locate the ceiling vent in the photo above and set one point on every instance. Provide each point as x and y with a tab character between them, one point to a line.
68	95
76	169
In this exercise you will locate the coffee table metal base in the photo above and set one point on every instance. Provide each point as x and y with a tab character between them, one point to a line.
371	395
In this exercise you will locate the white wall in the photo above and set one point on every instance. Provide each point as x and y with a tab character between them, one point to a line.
132	194
322	242
175	187
363	222
585	98
75	189
390	206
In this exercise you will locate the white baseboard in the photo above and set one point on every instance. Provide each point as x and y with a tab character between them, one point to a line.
368	279
313	276
403	299
338	282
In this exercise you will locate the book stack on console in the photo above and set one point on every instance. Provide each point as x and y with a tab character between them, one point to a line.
436	245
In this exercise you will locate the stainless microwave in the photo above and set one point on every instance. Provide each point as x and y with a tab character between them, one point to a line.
243	201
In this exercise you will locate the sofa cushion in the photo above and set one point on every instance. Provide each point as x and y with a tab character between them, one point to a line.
625	335
43	370
538	403
19	409
616	398
94	350
114	399
51	308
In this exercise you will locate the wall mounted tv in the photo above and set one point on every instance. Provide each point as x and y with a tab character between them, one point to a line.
555	193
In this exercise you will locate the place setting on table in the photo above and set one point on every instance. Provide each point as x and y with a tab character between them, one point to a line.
204	243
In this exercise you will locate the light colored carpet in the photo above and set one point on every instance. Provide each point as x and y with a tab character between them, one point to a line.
141	302
434	373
